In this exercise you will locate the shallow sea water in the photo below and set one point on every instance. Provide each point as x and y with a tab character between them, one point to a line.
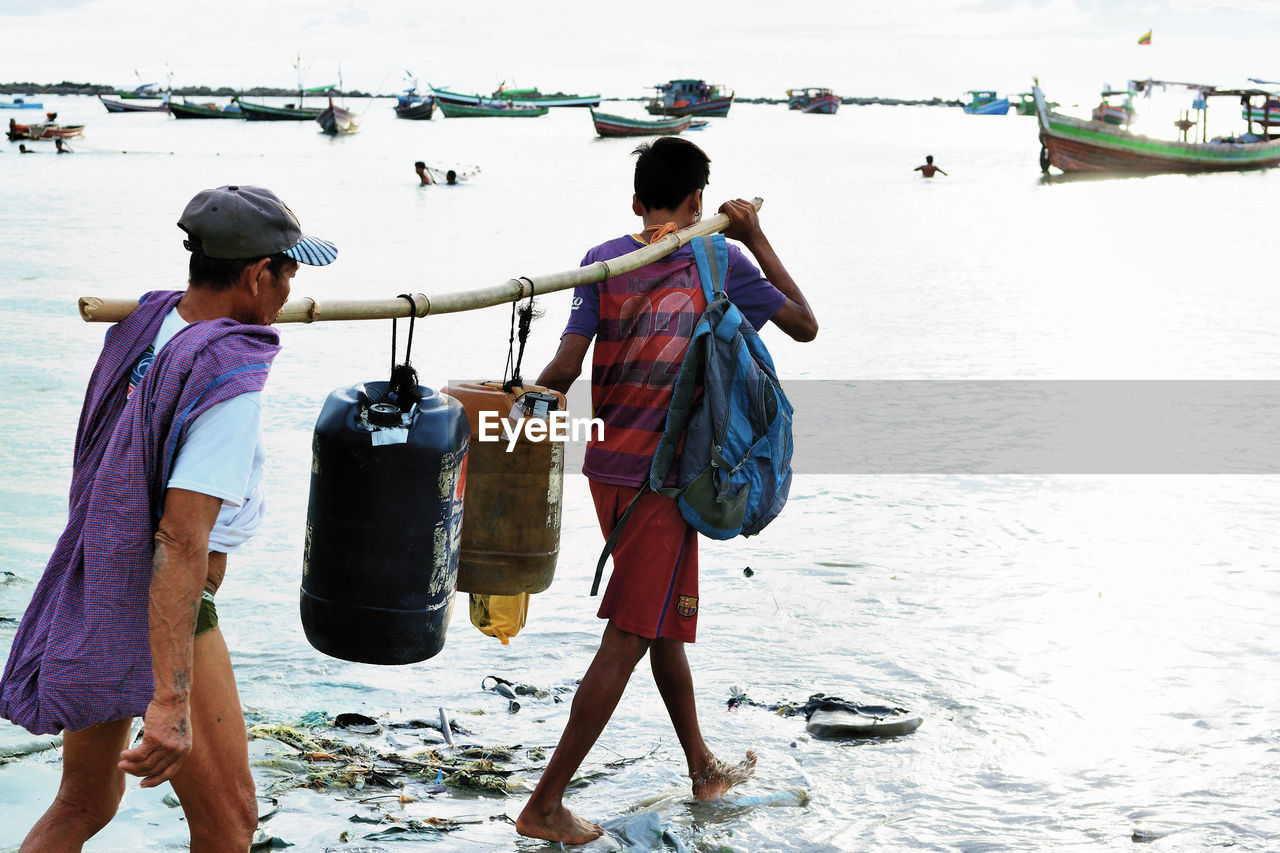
1093	655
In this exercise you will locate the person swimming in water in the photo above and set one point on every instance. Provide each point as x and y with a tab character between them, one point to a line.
928	169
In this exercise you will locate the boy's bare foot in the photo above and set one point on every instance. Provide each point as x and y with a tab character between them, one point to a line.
560	825
719	776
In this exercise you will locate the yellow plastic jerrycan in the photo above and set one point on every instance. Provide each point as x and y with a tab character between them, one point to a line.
511	508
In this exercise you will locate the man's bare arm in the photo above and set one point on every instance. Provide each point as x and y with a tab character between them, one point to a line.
179	569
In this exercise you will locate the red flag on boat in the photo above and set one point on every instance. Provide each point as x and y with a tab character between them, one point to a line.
1146	38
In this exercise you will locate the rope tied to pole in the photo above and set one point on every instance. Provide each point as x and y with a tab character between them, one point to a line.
404	379
521	320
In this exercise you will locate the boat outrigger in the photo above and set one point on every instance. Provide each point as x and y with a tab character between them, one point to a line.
1080	145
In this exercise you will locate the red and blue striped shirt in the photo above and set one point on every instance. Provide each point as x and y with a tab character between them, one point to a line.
642	322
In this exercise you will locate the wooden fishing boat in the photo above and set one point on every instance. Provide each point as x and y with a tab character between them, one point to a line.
336	120
813	100
186	109
1079	145
689	98
985	103
135	105
534	98
611	125
413	106
46	130
489	108
21	104
516	97
1120	114
289	112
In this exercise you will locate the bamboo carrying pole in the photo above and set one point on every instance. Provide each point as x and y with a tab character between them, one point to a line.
94	309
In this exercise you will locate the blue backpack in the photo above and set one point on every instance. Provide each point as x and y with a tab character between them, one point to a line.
735	465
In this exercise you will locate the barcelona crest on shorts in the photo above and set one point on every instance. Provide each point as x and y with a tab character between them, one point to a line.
687	605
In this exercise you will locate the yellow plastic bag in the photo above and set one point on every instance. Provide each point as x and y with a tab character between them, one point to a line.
500	616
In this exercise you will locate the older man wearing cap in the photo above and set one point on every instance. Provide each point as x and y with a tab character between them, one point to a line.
166	482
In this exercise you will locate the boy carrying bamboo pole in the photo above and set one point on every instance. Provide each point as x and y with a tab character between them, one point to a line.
642	322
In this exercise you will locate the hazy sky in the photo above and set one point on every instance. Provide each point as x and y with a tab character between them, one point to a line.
907	48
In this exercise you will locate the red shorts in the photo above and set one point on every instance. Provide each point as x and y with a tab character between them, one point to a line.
653	590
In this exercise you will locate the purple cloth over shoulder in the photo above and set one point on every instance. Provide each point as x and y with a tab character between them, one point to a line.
82	654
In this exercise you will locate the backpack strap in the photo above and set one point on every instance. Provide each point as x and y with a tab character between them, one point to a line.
612	541
711	255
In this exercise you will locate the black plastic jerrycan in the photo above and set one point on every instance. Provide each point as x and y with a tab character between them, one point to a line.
384	523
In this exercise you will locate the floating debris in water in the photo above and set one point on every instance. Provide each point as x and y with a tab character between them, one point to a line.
511	690
358	723
263	841
1147	834
314	719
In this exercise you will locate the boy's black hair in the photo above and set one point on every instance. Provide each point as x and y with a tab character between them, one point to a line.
221	273
667	170
419	165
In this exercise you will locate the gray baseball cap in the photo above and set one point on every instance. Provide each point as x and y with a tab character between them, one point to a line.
249	222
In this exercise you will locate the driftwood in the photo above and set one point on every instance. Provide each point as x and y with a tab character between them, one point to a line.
94	309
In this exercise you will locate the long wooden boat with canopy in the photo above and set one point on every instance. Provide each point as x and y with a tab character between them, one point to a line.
1080	145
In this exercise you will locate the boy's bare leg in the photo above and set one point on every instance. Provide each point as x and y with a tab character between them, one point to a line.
90	792
545	815
711	776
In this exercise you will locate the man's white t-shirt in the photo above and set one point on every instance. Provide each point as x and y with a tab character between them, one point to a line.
222	456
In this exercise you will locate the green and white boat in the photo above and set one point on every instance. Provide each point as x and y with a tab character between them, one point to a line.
489	109
612	125
1080	145
517	97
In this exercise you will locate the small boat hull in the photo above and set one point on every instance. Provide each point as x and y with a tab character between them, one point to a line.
20	105
489	110
47	130
713	107
813	100
133	106
264	112
825	105
187	110
517	97
998	107
417	110
615	126
336	120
